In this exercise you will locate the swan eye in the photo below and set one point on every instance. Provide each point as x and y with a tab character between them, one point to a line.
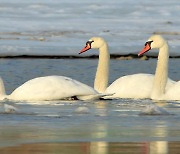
89	43
149	43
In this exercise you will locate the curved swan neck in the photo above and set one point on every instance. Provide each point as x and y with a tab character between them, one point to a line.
2	89
161	74
102	73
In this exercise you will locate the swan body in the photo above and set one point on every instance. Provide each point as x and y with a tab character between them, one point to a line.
136	86
128	87
160	90
51	88
173	93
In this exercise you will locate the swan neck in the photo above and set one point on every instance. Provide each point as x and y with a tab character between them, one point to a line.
102	73
2	89
161	74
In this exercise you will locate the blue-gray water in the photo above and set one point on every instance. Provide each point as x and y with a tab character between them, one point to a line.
46	27
101	124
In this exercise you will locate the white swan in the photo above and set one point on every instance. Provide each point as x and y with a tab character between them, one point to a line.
50	88
159	89
131	86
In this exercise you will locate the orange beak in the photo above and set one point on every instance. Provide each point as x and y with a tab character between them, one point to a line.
145	49
86	48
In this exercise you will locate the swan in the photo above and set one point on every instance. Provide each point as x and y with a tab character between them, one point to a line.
50	88
136	86
159	90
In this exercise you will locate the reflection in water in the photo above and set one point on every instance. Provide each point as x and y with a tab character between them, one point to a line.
88	132
101	108
100	131
160	103
158	147
87	148
99	147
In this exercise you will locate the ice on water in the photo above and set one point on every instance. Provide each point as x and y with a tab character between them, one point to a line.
9	108
153	109
62	27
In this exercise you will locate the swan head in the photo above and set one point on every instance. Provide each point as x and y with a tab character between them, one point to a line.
93	43
154	42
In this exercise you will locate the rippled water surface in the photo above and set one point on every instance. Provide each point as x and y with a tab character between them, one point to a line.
87	127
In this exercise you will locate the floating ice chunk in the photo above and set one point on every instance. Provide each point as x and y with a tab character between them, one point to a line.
9	108
82	110
154	110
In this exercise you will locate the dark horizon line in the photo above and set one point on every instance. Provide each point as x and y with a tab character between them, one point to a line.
112	56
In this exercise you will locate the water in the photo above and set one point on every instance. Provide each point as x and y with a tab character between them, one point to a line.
17	71
104	126
46	27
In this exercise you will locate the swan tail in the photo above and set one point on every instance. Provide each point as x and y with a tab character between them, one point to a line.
2	88
110	96
93	97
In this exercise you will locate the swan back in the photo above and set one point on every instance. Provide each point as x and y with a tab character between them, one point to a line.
51	88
